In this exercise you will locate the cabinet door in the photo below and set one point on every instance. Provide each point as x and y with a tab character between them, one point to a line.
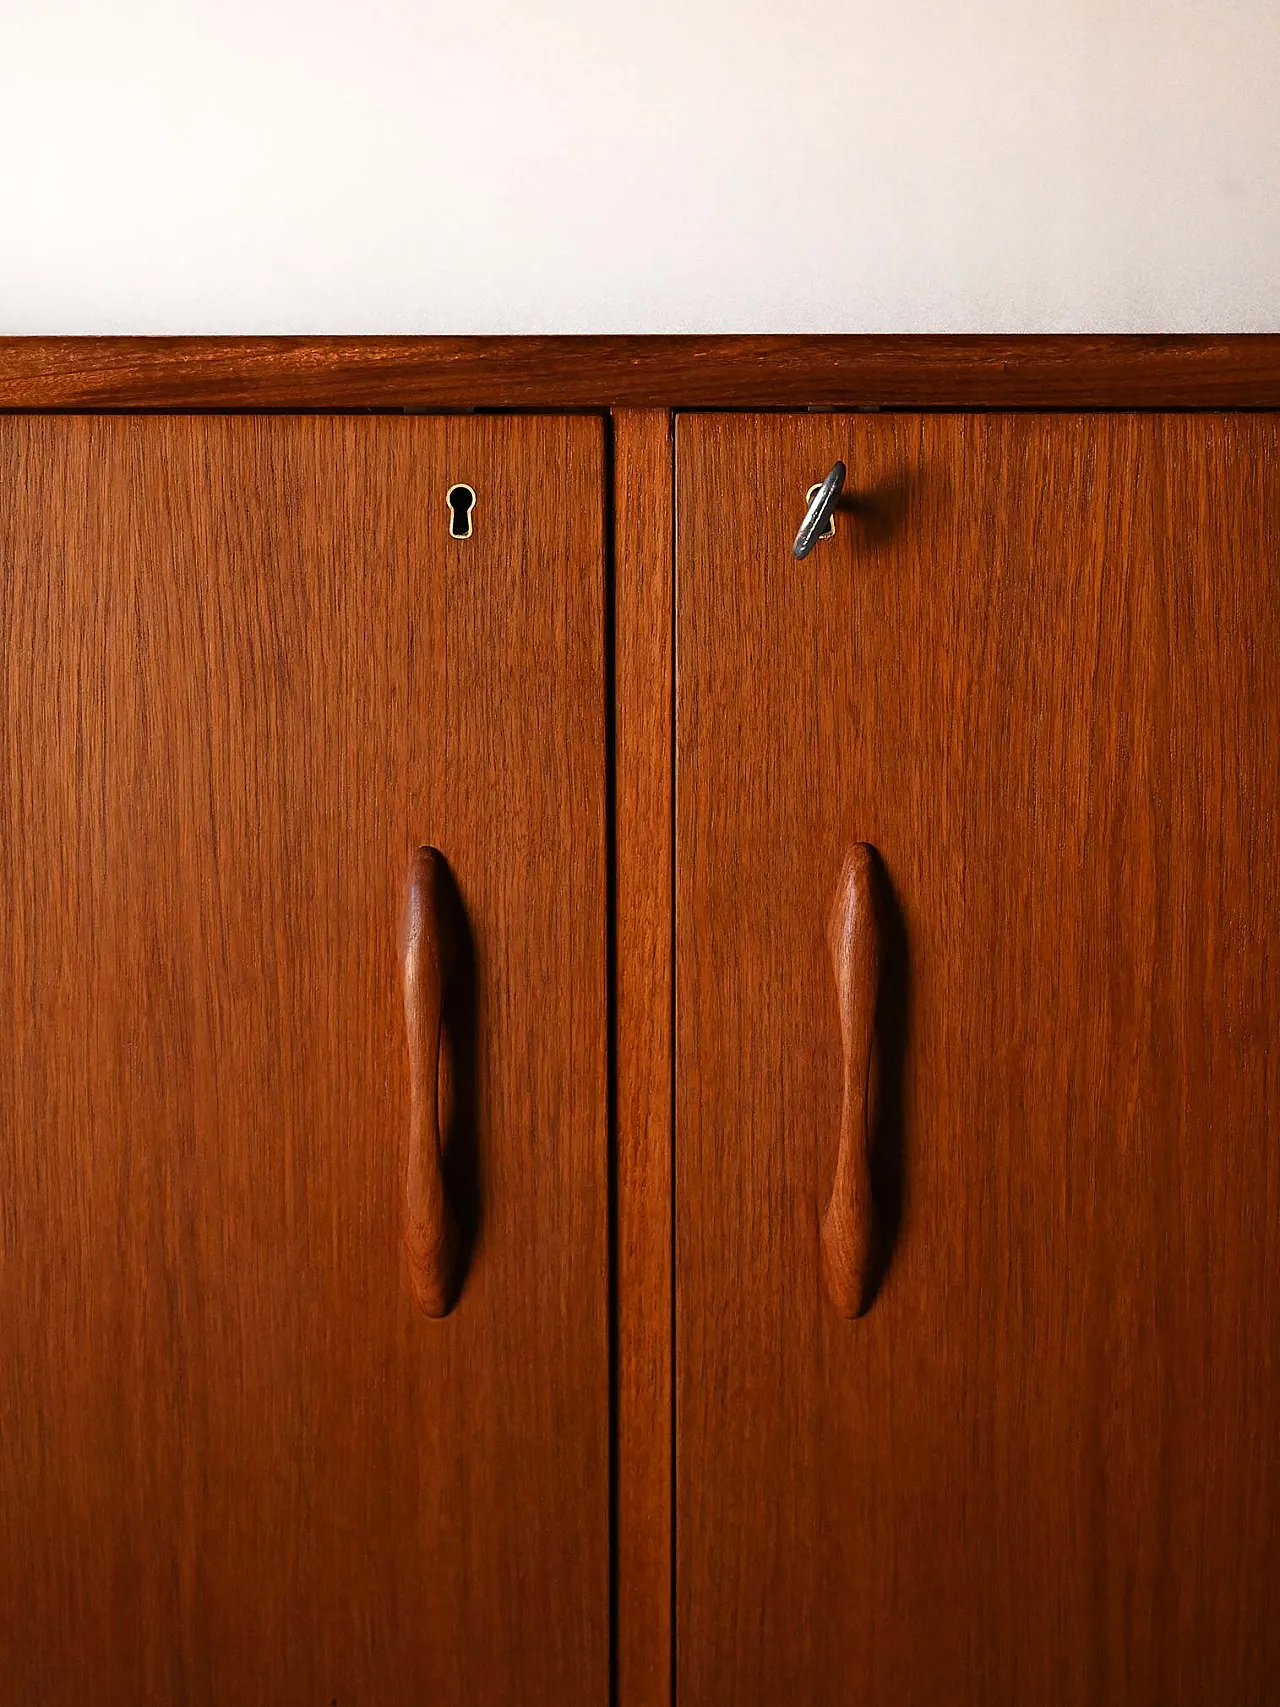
247	672
1038	668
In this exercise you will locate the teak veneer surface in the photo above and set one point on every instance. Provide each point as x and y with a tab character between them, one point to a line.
246	674
642	460
1038	668
720	371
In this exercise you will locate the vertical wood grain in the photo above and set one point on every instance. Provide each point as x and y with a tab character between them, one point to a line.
246	674
643	735
1039	668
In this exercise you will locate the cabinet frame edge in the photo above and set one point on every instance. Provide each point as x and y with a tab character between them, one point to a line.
729	371
644	924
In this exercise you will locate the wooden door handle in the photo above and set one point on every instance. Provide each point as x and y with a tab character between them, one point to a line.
430	953
856	939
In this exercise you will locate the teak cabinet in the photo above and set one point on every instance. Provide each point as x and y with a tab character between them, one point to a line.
248	674
847	990
1038	669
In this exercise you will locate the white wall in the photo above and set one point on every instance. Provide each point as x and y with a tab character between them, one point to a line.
684	165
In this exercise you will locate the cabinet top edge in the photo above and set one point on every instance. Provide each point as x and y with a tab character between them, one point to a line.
1071	370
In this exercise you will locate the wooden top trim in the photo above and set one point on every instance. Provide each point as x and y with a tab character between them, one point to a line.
1074	371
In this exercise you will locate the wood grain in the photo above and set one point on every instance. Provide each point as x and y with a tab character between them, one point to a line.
643	899
246	673
1039	668
1071	371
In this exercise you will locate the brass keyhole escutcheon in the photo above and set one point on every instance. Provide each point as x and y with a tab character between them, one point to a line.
461	501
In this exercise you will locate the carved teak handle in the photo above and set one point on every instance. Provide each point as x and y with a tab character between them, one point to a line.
855	935
430	950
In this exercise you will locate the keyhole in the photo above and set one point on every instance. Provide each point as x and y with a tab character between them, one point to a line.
461	501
